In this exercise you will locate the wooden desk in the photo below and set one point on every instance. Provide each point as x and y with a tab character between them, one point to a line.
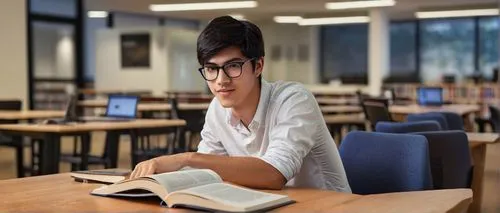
143	107
337	101
341	109
59	193
51	135
30	114
345	119
112	91
478	143
460	109
410	202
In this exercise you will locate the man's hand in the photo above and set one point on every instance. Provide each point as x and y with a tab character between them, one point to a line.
162	164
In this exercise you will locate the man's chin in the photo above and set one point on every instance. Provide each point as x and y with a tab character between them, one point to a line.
226	103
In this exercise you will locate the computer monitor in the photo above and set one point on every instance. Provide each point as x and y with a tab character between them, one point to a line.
121	106
430	96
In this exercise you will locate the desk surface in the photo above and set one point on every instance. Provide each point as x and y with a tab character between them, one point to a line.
59	193
30	114
456	200
92	126
341	109
345	119
111	91
337	101
460	109
487	138
147	106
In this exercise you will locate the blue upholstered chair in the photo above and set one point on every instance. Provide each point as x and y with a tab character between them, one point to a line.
454	120
430	116
406	127
384	162
449	153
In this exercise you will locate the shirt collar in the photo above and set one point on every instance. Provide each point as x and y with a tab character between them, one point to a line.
260	113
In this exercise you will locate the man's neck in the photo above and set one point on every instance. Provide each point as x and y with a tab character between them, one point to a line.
246	110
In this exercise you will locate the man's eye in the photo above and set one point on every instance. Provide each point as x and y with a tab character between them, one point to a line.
233	65
211	69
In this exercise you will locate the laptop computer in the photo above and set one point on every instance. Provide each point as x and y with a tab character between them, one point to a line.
430	96
119	108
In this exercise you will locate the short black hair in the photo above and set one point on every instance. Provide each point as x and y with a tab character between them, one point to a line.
225	31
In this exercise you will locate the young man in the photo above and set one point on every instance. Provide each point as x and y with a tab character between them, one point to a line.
256	134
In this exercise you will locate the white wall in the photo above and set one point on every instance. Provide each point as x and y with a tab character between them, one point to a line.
289	38
182	63
109	73
13	54
173	62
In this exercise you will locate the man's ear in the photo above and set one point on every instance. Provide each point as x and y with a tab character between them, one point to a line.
259	66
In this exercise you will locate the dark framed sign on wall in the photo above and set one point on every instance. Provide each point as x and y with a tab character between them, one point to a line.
135	50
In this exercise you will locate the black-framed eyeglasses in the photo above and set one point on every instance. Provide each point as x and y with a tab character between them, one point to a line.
231	69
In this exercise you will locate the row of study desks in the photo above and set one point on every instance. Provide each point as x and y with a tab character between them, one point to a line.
52	134
403	110
144	107
59	193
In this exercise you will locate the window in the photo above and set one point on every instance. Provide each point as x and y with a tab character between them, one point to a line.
403	48
447	47
488	45
459	47
63	8
344	52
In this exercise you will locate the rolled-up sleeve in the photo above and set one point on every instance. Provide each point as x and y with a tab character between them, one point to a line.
292	136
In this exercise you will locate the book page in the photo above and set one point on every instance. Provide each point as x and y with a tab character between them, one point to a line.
232	195
179	180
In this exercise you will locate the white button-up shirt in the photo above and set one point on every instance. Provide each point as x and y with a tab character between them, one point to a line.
287	131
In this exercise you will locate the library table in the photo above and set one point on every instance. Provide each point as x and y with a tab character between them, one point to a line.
59	193
51	137
401	111
29	114
143	107
478	143
334	109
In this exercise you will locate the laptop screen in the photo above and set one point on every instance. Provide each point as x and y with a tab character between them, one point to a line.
430	96
122	106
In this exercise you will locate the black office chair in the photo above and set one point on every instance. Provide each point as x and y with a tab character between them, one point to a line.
376	109
195	119
494	118
142	147
13	105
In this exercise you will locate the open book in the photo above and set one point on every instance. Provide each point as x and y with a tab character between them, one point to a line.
198	188
106	176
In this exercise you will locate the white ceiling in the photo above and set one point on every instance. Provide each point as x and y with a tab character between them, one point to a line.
404	9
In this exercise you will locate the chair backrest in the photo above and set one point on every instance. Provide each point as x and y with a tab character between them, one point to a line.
449	153
10	105
376	109
429	116
454	120
383	162
174	111
152	99
195	119
495	118
407	127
